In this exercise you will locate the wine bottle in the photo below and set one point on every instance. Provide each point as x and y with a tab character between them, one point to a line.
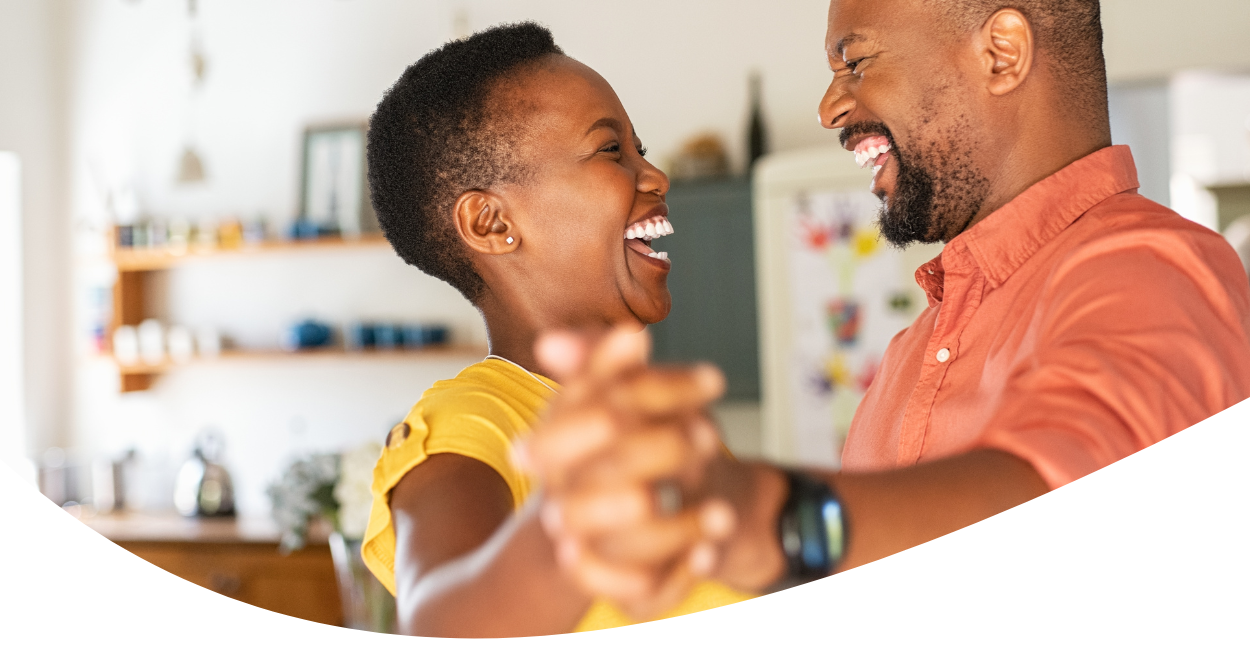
757	139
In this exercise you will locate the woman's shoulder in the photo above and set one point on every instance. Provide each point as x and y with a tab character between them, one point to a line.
492	391
477	414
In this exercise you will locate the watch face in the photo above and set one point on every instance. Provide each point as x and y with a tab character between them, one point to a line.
835	530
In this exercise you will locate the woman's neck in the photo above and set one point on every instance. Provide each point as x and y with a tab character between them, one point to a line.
510	333
512	328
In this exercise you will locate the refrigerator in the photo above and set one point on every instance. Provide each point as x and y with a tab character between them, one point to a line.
831	293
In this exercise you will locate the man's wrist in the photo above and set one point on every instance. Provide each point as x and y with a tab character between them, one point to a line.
811	529
753	558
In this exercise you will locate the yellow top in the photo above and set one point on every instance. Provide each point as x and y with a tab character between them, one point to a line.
478	414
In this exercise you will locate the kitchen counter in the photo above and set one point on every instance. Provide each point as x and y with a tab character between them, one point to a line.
236	557
132	526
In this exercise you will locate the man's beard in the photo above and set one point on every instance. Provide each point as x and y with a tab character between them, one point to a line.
937	190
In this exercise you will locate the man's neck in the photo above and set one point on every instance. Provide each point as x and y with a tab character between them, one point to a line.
1034	153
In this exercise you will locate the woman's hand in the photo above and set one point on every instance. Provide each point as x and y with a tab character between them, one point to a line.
640	499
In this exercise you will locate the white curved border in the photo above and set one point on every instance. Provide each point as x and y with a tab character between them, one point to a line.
1151	552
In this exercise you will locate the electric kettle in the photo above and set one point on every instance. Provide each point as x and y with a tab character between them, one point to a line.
203	486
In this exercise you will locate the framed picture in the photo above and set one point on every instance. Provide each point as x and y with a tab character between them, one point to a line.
334	195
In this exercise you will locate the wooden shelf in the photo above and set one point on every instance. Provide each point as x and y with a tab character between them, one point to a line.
145	259
140	370
130	304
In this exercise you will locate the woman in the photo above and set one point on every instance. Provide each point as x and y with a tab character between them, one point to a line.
511	171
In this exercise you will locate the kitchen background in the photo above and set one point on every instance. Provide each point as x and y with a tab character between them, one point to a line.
181	113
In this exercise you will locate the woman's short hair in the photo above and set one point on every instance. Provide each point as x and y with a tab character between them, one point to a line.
438	133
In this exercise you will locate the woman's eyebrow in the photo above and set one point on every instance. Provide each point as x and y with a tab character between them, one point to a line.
611	123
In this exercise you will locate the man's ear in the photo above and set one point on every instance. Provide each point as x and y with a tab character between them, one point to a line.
1008	52
482	220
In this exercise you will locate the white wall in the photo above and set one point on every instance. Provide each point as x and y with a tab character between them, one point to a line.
32	109
277	65
1152	39
12	361
274	66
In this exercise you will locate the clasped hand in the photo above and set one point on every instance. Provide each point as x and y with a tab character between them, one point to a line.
640	499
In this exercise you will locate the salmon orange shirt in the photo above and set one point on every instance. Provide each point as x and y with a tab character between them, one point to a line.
1074	326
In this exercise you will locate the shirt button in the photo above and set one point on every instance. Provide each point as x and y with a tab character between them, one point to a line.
943	355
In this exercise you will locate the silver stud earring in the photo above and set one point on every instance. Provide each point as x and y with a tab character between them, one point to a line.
509	240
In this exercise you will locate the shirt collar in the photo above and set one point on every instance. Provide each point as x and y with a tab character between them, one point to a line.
1006	238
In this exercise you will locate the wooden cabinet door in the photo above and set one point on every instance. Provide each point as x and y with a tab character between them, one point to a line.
301	584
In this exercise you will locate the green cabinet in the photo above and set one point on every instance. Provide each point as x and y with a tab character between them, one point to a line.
712	283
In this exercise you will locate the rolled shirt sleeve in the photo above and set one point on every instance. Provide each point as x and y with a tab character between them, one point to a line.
1140	335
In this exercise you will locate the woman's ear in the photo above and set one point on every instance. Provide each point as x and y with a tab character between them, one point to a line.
482	220
1008	51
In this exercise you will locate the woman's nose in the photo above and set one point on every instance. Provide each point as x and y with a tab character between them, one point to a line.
652	179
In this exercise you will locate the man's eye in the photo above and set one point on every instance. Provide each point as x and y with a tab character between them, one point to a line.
853	65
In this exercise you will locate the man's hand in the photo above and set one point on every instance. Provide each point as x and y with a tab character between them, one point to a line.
623	434
641	499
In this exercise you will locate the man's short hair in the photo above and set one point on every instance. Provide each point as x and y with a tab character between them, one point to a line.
1069	37
438	133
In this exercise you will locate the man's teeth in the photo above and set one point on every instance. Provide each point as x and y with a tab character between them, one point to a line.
656	227
662	255
864	157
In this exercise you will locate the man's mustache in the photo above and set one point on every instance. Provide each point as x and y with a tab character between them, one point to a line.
861	128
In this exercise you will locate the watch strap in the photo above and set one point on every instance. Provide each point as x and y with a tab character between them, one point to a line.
811	529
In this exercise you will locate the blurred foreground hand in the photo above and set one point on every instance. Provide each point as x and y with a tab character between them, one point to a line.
641	500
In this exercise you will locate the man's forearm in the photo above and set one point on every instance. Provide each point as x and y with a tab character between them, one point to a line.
892	511
886	511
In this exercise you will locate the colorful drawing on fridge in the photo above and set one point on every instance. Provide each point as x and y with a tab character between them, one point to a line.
851	292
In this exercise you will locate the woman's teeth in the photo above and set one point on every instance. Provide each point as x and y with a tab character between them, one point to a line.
648	230
656	227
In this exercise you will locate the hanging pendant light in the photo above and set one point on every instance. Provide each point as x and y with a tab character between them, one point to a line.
190	163
190	166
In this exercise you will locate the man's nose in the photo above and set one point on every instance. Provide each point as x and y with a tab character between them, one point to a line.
835	106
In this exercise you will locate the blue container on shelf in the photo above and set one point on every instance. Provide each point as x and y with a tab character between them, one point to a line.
386	336
308	334
303	229
418	336
360	336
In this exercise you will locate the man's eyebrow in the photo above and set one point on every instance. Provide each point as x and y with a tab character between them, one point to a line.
846	41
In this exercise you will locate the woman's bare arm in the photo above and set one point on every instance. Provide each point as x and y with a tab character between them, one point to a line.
466	565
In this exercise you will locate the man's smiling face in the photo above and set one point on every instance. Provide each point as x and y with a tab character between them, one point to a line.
906	107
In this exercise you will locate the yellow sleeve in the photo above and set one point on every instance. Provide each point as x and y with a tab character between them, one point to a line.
465	423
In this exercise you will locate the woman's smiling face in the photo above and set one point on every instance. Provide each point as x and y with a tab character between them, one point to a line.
588	189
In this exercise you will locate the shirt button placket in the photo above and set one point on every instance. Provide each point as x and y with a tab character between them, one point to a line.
943	355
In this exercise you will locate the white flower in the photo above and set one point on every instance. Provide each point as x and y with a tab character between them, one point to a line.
304	491
353	489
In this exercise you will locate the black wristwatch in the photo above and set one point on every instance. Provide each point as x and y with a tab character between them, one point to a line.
812	530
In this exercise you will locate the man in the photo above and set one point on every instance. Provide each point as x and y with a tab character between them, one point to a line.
1071	322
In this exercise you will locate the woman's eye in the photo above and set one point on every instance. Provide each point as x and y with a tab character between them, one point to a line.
642	151
612	148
